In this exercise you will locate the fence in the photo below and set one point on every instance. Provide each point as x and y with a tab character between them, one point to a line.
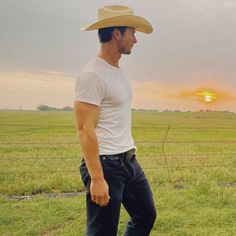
163	143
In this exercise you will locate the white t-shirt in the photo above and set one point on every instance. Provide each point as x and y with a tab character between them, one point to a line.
106	86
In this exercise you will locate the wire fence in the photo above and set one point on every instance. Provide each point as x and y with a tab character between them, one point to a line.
203	127
160	143
140	156
137	142
76	170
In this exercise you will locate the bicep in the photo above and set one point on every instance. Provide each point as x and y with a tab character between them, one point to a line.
86	115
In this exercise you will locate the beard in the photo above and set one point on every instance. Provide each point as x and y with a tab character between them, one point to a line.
124	48
125	51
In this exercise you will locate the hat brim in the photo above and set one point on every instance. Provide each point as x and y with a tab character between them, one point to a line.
139	23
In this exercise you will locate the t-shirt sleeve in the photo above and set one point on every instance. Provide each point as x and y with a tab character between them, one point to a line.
89	88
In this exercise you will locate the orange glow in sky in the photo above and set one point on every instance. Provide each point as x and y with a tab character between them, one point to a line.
27	90
207	96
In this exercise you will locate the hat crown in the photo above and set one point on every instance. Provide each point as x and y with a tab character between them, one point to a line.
114	10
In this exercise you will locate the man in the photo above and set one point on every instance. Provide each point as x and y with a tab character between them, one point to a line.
103	96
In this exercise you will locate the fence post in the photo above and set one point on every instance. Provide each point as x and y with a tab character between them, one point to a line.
163	150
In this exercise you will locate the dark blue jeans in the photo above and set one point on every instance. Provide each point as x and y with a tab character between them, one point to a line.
128	186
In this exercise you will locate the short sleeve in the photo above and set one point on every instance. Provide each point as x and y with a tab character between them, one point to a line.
89	88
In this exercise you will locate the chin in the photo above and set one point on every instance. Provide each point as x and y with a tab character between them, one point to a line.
126	53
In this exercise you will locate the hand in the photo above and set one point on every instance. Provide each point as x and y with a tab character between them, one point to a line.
99	191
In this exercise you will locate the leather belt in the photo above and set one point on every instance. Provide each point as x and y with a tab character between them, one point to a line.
129	154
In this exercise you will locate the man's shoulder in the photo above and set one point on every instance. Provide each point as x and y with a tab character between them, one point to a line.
98	67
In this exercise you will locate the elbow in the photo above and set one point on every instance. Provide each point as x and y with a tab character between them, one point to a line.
84	129
86	135
80	128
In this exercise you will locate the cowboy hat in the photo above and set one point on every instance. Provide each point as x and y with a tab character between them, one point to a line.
116	15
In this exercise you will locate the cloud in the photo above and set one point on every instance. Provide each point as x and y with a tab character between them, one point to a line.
193	41
161	96
29	89
214	6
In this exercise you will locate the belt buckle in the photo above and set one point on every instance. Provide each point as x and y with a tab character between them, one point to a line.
130	153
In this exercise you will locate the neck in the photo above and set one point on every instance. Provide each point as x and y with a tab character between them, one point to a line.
110	54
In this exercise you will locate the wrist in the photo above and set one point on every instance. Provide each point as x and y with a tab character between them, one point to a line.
97	177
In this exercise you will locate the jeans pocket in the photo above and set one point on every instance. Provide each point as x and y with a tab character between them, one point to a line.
111	162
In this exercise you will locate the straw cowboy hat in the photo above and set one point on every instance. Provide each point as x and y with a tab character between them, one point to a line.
116	15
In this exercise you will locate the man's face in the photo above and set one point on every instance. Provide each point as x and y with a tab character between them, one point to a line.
126	41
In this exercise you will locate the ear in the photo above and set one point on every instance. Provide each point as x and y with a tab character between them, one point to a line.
116	34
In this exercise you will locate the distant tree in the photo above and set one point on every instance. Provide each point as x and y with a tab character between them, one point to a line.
45	108
67	108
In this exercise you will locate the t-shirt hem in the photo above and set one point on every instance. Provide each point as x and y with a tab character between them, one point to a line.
87	101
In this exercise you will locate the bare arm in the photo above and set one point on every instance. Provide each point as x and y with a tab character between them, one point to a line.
86	119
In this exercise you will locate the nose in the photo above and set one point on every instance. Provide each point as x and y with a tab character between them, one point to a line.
135	40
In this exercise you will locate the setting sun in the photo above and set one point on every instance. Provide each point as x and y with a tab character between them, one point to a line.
207	96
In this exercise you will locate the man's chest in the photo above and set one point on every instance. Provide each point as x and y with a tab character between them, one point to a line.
118	91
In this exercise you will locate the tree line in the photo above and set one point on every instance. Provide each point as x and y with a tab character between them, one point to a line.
49	108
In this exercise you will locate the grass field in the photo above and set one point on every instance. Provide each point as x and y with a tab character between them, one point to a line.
194	183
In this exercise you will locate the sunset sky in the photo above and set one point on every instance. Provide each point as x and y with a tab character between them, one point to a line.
187	63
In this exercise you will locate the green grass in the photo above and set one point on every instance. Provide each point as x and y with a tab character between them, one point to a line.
39	154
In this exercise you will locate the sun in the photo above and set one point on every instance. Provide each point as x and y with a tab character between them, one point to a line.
207	96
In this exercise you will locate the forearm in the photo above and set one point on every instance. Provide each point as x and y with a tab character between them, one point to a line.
87	116
89	145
